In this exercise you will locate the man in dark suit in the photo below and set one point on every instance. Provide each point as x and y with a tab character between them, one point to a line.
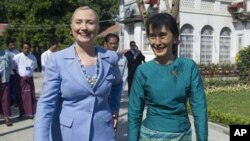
135	58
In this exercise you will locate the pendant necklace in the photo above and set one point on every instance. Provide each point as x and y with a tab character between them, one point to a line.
91	80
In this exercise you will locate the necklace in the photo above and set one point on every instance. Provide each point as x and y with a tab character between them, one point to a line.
90	79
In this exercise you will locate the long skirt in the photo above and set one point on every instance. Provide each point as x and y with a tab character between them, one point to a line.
27	101
13	89
5	99
150	135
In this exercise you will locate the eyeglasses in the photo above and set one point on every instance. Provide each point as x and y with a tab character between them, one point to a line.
160	36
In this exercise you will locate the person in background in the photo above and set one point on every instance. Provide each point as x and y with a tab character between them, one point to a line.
165	85
112	43
13	83
25	63
5	71
11	48
135	58
53	44
37	52
77	84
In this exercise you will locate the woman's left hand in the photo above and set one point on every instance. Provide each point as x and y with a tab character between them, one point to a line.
115	121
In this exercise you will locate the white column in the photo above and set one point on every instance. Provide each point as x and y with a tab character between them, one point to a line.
247	5
246	41
121	36
197	46
138	34
217	6
126	37
247	33
216	46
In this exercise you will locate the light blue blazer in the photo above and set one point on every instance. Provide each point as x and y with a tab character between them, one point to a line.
68	108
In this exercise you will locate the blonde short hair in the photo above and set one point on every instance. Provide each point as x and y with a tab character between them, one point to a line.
86	8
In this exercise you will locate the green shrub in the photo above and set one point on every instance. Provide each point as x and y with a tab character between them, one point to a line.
100	41
243	62
222	82
226	118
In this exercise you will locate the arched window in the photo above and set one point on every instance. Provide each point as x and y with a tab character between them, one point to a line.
225	45
206	45
186	41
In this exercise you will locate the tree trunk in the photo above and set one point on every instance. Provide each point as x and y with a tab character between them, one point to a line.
168	9
142	10
175	11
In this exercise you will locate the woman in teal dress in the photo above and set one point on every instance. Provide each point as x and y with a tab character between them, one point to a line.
165	85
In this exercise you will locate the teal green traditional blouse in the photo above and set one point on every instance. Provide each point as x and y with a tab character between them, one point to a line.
165	89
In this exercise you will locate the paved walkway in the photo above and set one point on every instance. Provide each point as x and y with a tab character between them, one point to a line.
22	130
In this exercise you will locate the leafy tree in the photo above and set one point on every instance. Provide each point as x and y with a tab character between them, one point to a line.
37	21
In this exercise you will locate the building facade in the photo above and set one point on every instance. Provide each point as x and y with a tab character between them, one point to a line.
208	33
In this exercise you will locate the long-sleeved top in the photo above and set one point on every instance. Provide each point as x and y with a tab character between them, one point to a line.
166	89
123	67
5	66
44	58
25	64
12	54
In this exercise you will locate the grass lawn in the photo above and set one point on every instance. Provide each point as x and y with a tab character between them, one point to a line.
235	104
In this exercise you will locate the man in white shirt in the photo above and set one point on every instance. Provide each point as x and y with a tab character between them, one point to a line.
13	84
53	44
11	48
25	63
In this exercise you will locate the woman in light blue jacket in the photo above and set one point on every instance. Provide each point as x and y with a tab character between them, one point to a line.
78	81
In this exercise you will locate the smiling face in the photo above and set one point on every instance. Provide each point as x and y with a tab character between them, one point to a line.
84	25
161	41
163	32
